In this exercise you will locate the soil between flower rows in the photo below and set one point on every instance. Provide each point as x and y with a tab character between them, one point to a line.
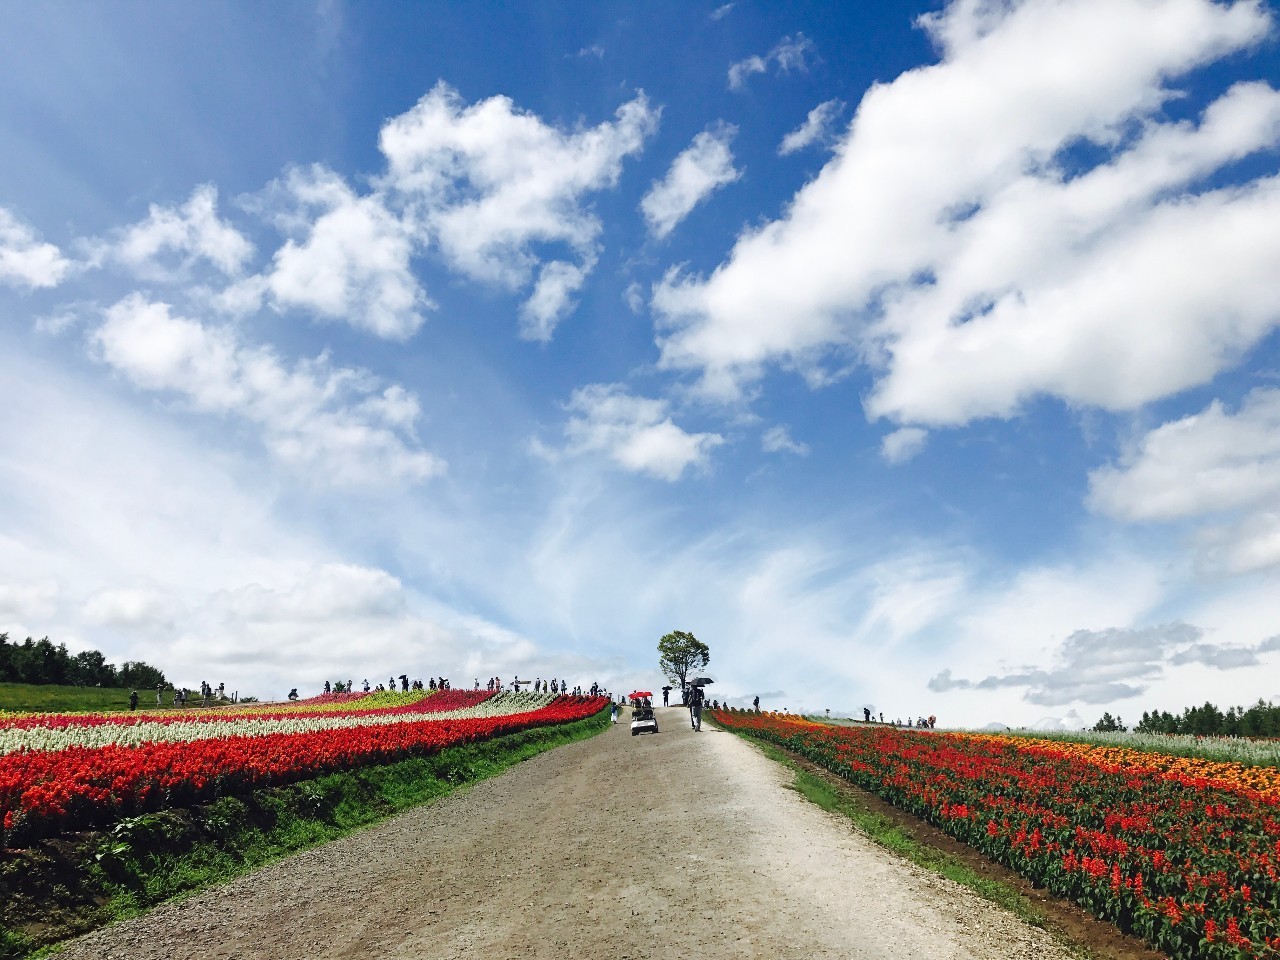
618	846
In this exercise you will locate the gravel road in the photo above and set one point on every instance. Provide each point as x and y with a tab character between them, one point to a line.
619	847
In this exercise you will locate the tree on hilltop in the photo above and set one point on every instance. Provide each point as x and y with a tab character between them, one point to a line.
680	653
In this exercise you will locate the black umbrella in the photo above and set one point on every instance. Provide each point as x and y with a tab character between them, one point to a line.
700	681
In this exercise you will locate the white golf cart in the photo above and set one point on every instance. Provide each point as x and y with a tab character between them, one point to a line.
642	717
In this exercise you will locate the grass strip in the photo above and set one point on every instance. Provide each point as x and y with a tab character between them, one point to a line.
55	893
888	834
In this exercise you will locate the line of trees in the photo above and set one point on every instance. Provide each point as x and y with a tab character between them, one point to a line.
40	661
1260	720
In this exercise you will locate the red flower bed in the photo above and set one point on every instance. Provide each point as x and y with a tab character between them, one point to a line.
44	792
1191	866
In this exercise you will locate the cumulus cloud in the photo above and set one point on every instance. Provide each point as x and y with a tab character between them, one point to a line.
636	433
1211	464
496	188
957	246
333	423
790	53
700	169
903	444
187	234
26	260
777	439
1101	666
815	129
350	262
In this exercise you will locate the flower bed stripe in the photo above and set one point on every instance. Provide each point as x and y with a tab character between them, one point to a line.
44	792
446	705
1190	863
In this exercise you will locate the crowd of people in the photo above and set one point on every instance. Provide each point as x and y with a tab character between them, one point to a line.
182	697
493	685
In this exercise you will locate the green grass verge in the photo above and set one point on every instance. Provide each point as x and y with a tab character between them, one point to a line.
884	831
149	859
52	698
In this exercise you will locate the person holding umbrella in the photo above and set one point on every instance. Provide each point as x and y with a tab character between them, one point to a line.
696	699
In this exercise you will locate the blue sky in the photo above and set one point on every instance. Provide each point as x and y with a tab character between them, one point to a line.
912	355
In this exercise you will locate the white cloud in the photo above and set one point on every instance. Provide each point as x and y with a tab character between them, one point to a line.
701	168
130	608
191	232
25	260
352	264
637	433
777	439
790	53
722	11
815	129
951	246
903	444
27	600
1213	463
495	187
634	297
333	423
552	298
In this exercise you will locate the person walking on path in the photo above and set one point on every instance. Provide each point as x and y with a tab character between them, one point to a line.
696	700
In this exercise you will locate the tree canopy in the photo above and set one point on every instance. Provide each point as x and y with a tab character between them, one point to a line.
680	653
41	661
1260	720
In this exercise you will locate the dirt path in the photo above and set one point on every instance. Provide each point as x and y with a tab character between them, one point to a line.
680	844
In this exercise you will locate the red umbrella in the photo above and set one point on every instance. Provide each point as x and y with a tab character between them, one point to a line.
637	694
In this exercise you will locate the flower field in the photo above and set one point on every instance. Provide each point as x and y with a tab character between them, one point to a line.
61	772
1184	852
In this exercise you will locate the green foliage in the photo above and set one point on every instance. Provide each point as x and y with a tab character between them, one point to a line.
1260	720
680	653
1109	724
40	661
52	698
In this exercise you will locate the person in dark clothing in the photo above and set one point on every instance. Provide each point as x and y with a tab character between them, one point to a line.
666	695
696	700
133	699
866	714
756	703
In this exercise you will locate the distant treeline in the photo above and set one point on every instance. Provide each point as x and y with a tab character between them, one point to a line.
1260	720
40	661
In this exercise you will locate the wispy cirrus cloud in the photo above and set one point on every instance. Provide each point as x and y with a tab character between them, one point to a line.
790	53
